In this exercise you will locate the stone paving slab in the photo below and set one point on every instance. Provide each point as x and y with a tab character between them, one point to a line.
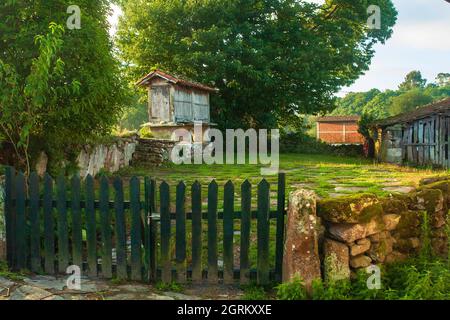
55	288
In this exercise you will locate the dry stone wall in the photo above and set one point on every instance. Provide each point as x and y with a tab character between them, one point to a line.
152	152
358	231
107	157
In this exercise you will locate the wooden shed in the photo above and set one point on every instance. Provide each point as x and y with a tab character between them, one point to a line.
174	102
420	137
338	130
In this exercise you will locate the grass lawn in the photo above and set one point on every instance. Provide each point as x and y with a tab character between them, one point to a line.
327	175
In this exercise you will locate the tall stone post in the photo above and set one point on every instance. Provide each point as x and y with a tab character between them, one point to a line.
301	256
2	219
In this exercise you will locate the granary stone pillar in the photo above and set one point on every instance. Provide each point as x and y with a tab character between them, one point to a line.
2	219
301	256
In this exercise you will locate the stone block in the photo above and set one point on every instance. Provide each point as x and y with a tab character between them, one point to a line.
350	209
301	257
336	260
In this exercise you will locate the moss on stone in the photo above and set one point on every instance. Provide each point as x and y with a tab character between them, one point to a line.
351	209
431	198
409	225
394	206
443	186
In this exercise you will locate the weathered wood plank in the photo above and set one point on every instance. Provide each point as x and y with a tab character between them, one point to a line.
91	227
77	233
246	207
166	272
196	232
21	246
228	233
35	226
263	233
105	219
281	205
212	232
181	233
120	230
10	215
63	228
136	235
49	226
153	231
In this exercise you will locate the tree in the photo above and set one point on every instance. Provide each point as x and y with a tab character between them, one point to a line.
23	107
443	79
354	102
272	60
413	80
409	101
65	118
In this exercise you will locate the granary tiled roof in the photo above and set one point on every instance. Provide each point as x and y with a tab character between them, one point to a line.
175	80
420	113
338	119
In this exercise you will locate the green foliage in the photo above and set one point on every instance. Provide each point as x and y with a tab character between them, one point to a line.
169	287
300	142
146	133
253	293
294	290
413	80
69	80
409	101
258	53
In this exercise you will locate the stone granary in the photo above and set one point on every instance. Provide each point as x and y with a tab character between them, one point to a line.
420	137
175	103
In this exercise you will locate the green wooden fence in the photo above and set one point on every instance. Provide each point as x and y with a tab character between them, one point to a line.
53	224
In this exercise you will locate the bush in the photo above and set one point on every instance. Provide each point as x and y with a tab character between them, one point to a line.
146	133
294	290
300	142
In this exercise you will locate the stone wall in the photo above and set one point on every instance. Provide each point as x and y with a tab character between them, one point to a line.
358	231
2	219
107	157
152	152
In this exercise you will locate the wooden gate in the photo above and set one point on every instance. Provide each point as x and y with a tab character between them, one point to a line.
147	233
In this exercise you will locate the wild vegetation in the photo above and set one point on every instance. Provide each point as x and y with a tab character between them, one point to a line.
258	53
58	87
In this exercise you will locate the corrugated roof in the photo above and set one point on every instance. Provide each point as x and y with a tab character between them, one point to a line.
338	119
175	80
419	113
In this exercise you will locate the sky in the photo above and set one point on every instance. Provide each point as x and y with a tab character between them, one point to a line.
421	41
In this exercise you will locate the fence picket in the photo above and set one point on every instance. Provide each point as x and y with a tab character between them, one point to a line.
91	227
62	225
35	230
153	231
196	232
9	215
281	205
228	233
181	233
77	233
121	237
21	256
23	225
263	232
49	226
246	207
147	232
166	273
212	232
136	235
105	220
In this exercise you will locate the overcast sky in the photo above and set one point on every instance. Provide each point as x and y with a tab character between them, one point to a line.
421	41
